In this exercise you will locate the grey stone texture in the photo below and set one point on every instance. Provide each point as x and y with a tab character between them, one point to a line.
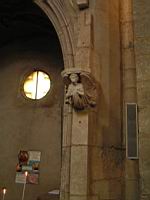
141	41
131	169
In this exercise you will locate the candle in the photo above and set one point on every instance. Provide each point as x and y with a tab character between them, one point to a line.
24	186
26	174
4	192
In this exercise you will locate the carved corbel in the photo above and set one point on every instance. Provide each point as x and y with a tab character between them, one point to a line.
80	89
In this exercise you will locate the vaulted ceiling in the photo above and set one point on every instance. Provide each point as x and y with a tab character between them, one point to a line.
21	19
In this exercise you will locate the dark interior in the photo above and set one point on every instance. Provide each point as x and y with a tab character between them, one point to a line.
21	19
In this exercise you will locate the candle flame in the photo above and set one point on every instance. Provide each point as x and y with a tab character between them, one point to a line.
4	190
26	173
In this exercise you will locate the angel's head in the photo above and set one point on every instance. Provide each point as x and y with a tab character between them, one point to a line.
74	78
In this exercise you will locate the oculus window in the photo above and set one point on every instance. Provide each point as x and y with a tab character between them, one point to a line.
37	85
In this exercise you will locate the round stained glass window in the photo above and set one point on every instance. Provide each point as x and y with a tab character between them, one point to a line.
37	85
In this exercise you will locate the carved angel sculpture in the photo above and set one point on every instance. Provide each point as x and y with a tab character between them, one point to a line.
80	90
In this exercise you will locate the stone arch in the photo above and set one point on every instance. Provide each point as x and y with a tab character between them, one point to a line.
54	11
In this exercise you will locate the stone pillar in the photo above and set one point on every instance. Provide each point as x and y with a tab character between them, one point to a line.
79	157
129	92
66	153
81	97
80	130
84	41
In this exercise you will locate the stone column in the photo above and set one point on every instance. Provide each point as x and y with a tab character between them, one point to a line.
79	157
66	153
79	178
129	92
81	97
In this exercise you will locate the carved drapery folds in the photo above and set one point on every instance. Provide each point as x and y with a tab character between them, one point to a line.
80	89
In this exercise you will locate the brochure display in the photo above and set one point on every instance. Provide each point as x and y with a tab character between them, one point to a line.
28	161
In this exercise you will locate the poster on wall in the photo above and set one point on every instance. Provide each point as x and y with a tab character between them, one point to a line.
28	161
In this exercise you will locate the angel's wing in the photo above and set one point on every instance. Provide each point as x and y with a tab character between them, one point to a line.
88	81
89	87
66	80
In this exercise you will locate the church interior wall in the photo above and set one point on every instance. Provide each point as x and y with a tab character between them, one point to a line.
28	124
141	26
107	154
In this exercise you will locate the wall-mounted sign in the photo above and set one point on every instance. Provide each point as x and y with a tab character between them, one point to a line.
131	131
28	161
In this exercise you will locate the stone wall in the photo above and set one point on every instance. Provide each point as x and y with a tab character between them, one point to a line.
94	141
27	124
97	49
142	56
106	134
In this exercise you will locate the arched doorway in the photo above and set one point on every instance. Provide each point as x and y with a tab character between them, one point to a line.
28	43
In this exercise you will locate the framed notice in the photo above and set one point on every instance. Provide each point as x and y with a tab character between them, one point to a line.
131	131
28	161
